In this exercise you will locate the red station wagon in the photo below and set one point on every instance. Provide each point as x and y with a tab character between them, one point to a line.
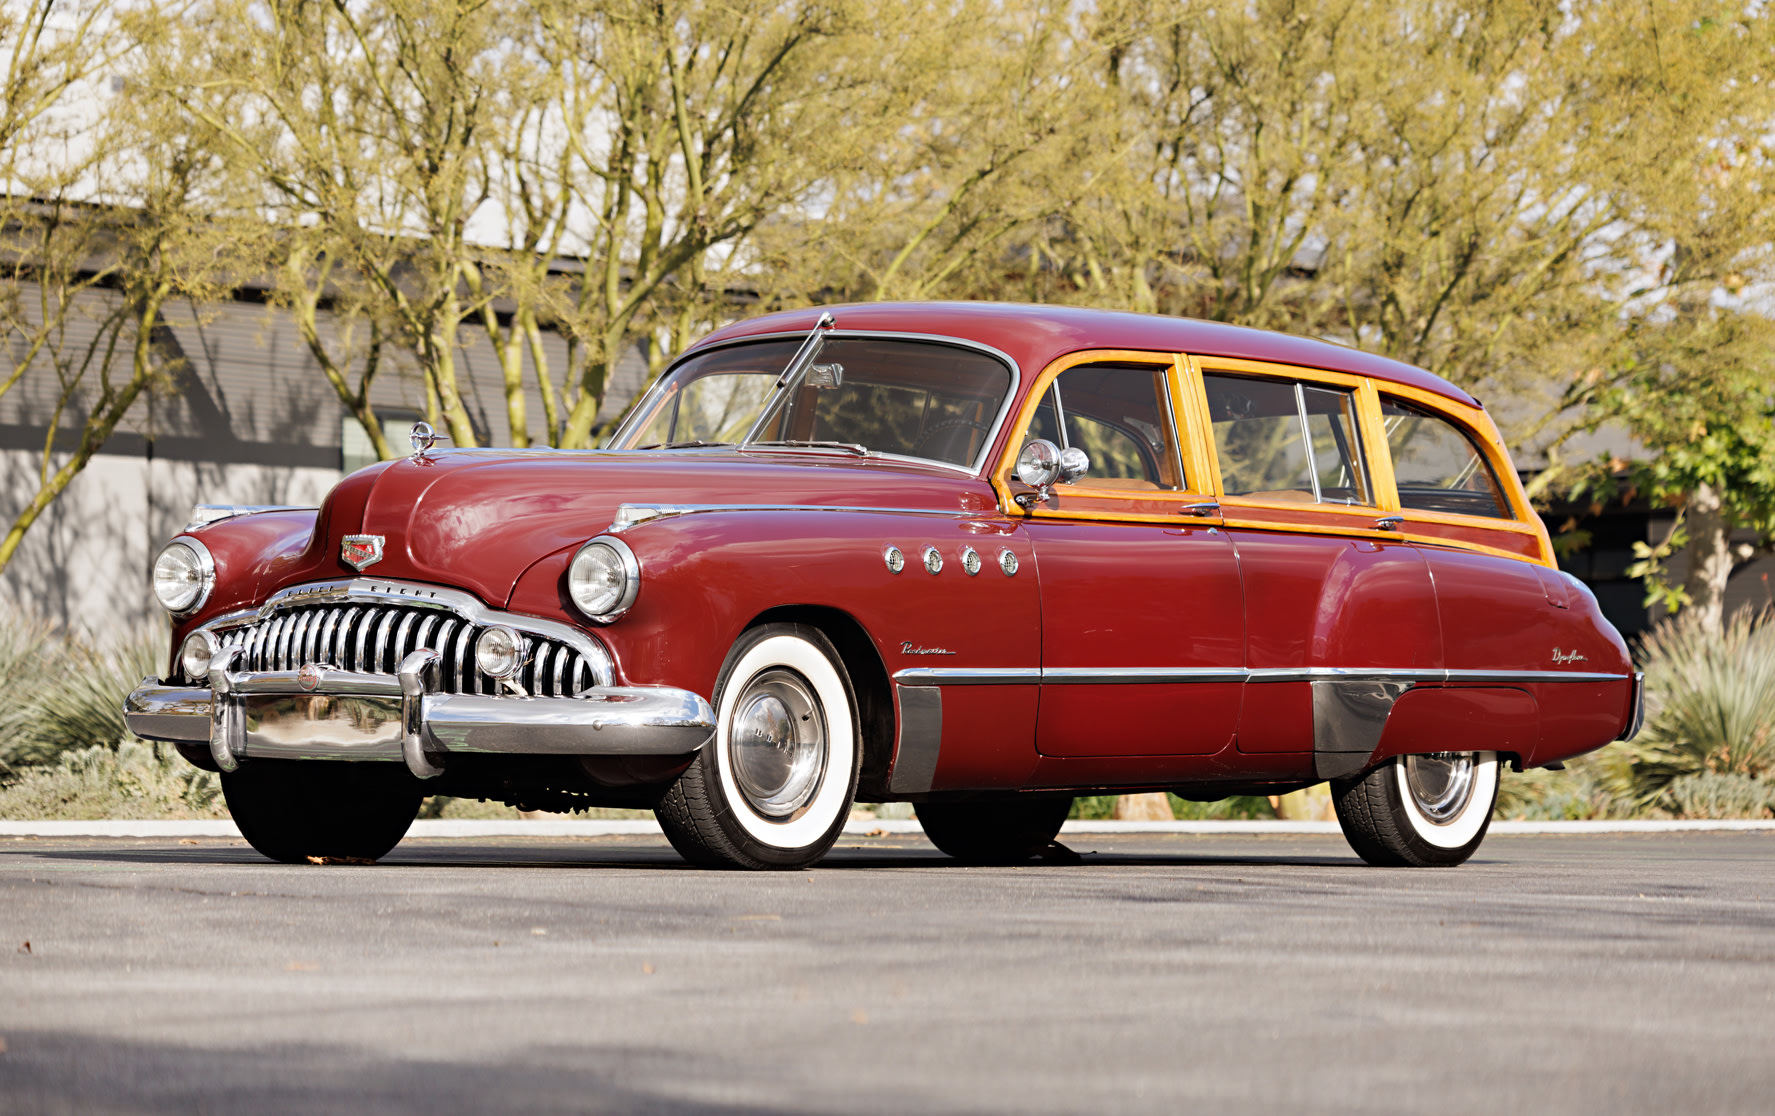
979	558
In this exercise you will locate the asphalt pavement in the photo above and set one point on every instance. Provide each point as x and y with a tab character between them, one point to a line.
1158	973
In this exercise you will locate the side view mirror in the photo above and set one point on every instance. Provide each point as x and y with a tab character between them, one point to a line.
1074	463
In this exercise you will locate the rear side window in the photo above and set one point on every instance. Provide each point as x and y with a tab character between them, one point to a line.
1287	441
1437	464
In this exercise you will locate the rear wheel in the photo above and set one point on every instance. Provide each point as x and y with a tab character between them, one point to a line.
291	810
1421	811
773	789
994	831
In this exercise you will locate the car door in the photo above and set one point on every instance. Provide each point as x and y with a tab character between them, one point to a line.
1142	615
1340	612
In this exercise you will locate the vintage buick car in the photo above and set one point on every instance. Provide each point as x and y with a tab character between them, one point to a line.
979	558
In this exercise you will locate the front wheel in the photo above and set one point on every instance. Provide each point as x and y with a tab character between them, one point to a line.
1422	811
773	789
292	810
994	831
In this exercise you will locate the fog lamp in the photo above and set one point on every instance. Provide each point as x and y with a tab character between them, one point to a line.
499	652
195	657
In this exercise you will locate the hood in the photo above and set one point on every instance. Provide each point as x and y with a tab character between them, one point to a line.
478	519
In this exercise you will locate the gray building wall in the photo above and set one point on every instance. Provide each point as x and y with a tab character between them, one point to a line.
249	420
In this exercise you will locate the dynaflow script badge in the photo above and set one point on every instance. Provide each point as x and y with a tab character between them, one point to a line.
359	551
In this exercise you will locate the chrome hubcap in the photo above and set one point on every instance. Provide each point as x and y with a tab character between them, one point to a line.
1441	784
776	743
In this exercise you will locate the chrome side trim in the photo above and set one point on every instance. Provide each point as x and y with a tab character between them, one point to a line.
920	740
632	515
958	676
623	432
1062	676
1096	676
409	595
205	514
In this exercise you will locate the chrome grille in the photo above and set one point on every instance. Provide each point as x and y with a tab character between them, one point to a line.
374	638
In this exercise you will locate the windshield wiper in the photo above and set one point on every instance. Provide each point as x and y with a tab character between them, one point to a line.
681	445
850	447
791	377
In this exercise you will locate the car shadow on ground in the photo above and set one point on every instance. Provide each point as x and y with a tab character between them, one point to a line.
652	854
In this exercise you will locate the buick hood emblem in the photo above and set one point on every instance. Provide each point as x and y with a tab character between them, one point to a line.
309	676
359	551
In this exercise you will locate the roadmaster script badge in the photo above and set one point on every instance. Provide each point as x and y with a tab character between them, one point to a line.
359	551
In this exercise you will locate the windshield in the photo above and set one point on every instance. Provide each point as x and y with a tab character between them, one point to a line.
904	398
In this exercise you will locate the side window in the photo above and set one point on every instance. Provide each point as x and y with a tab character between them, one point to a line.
1285	440
1437	465
1120	415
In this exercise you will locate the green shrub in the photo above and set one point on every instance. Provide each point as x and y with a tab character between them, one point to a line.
1100	807
131	781
1713	794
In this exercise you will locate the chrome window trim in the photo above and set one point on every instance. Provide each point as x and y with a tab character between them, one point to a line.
379	591
839	334
1099	676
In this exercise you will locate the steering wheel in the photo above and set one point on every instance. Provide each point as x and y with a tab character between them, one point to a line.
948	425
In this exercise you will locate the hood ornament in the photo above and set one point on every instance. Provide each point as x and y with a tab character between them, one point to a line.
422	438
359	551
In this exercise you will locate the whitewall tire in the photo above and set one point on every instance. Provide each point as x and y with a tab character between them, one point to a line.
774	787
1419	811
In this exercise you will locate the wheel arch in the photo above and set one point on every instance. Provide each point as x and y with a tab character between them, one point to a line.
862	661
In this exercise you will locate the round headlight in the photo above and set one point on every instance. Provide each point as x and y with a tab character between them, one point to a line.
499	652
604	578
194	658
184	574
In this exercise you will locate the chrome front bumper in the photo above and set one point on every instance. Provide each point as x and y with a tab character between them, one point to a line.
324	713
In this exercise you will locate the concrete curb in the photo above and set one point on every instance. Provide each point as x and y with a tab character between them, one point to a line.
456	829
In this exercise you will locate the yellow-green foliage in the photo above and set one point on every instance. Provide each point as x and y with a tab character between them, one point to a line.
129	781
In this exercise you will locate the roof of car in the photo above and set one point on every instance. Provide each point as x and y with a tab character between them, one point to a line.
1035	335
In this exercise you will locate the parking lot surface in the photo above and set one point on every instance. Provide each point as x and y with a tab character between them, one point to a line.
1156	974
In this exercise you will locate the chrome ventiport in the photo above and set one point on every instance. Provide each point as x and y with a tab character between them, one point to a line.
970	560
1007	561
895	560
933	560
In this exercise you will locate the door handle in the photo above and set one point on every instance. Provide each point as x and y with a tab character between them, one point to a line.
1389	522
1204	509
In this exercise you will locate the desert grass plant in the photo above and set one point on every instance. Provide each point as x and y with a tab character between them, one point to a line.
1708	746
60	690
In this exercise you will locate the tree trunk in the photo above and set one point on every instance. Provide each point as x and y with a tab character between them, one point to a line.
1144	807
1710	558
